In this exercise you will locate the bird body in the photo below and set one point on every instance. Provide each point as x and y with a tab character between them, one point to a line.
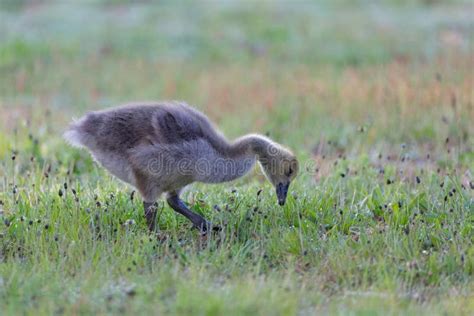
162	147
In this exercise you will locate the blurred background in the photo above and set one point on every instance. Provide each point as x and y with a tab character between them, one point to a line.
359	75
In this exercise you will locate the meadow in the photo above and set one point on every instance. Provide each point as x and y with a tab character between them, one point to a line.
375	98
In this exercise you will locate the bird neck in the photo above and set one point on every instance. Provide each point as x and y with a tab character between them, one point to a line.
235	159
251	146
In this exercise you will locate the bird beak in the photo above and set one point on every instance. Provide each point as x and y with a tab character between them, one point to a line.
282	191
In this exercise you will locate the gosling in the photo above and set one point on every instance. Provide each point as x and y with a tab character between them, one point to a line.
163	147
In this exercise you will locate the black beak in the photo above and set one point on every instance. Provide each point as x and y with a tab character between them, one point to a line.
282	191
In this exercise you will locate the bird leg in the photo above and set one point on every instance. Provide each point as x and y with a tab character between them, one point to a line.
150	215
198	221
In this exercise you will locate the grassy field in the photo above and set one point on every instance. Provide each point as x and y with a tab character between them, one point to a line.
375	98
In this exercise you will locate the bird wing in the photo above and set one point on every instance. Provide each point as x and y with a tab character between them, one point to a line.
178	123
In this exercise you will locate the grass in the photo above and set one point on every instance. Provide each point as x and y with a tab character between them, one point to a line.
376	101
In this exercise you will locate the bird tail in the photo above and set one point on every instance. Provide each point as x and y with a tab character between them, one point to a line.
74	135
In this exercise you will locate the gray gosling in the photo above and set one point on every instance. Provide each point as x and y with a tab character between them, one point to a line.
162	147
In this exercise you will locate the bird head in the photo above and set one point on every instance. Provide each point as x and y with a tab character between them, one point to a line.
280	166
